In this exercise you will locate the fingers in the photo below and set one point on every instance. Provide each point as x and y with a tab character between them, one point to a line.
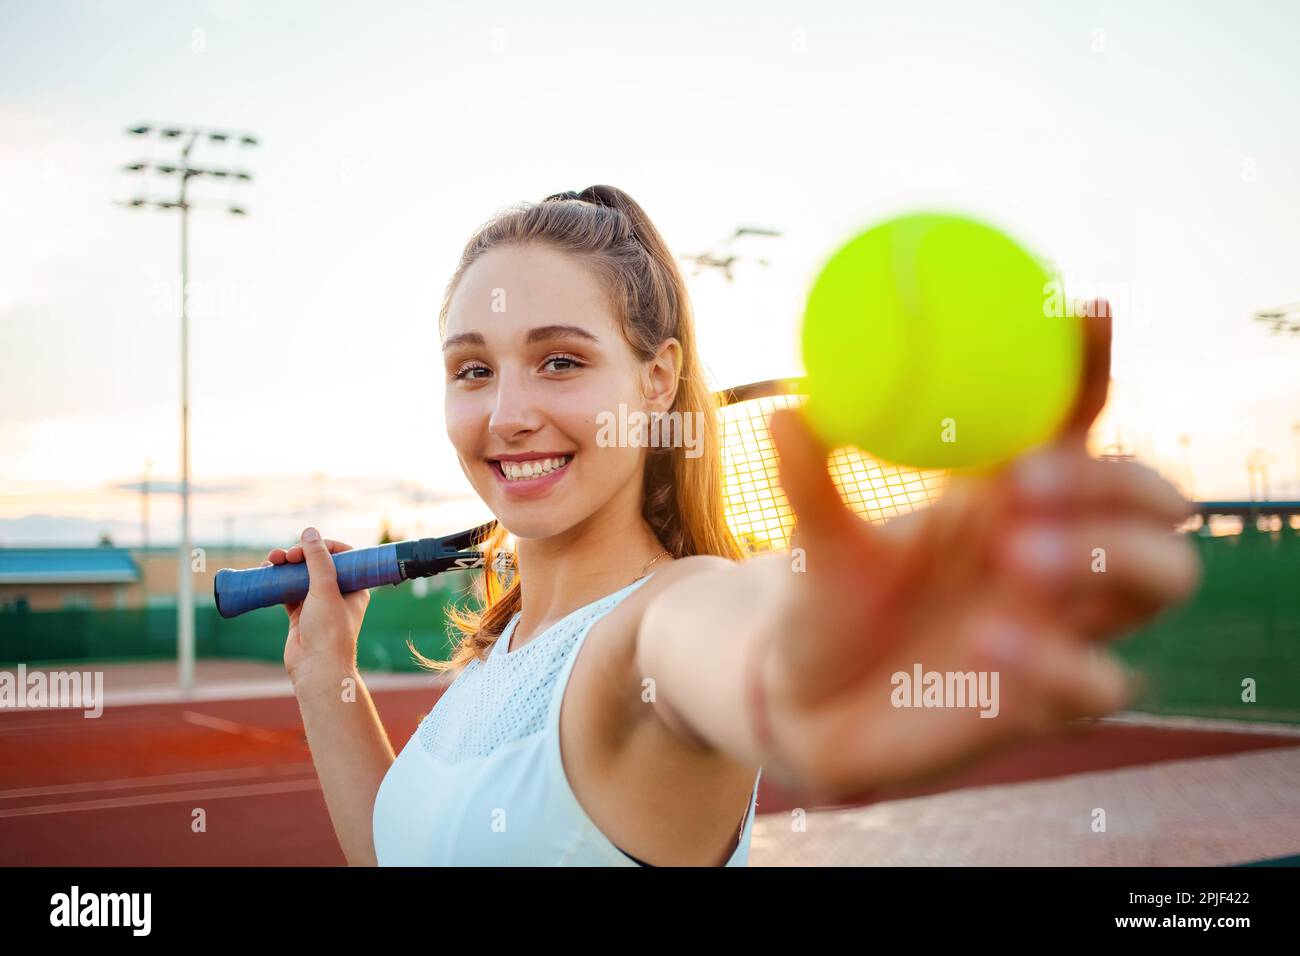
805	479
1094	382
1003	678
321	573
1106	575
1059	479
1161	565
1071	682
822	519
1048	679
293	554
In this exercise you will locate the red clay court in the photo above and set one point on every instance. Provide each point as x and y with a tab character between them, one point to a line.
121	789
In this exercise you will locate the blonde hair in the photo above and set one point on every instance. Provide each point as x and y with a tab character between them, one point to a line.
606	229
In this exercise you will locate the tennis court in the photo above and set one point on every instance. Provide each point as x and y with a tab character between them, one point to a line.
124	788
1179	783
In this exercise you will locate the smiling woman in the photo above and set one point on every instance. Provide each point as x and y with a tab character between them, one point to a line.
559	314
600	319
616	699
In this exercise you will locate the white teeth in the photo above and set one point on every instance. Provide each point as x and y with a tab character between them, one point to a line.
521	471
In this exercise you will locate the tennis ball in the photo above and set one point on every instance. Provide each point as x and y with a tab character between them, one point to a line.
935	341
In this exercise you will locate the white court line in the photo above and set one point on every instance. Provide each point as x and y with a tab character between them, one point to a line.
1205	724
187	796
161	780
255	689
233	727
14	727
235	690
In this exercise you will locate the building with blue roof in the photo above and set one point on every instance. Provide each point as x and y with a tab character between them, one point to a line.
47	579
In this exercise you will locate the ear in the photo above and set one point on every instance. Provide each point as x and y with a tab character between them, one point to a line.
663	375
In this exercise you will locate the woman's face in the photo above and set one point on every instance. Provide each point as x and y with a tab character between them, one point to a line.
533	357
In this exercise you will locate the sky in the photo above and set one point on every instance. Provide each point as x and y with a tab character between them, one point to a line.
1150	153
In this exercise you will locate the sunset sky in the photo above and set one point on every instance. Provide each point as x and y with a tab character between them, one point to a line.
1152	154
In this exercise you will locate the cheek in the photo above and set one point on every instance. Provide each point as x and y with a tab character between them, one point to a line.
466	427
601	399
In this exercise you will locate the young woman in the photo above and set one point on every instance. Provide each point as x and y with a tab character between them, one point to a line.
617	703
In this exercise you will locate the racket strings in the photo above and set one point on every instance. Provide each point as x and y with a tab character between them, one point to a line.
756	508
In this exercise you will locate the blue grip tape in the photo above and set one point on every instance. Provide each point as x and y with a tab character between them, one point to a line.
239	591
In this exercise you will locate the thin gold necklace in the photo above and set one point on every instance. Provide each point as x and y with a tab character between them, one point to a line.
649	564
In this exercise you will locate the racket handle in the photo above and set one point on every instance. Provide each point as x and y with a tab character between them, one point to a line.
238	591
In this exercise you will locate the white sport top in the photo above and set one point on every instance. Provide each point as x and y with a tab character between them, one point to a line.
481	781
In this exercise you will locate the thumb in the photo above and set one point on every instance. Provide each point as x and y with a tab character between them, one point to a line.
822	518
321	574
804	477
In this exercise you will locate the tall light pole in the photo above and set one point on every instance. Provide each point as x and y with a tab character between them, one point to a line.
186	172
1295	433
144	507
1257	463
1186	442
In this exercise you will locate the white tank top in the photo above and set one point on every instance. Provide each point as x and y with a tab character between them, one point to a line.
481	781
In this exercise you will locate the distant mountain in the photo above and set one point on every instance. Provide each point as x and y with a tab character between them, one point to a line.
36	530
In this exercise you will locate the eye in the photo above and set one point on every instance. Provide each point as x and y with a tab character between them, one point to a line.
467	371
567	362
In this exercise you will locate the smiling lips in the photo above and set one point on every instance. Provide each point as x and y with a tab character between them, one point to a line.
523	469
529	473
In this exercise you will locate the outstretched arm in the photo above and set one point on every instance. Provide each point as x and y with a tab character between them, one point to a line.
1012	579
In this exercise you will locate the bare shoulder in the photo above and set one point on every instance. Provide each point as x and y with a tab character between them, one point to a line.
625	619
619	626
683	569
608	672
652	787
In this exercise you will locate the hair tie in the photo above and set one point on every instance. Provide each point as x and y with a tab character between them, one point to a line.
596	200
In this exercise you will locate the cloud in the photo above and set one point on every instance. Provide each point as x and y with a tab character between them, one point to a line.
174	488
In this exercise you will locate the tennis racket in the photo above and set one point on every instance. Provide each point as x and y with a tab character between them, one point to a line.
756	509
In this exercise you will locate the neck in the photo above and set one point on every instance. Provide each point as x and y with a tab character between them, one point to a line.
596	557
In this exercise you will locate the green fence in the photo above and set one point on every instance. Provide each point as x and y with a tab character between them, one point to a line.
1244	622
393	616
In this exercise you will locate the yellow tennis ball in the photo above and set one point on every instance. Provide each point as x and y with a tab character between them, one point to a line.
935	341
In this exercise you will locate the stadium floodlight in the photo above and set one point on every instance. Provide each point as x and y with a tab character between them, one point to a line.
185	595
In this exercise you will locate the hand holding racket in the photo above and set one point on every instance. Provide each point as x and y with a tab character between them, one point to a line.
325	623
999	576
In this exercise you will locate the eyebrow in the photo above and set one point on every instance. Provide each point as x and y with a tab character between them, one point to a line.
543	333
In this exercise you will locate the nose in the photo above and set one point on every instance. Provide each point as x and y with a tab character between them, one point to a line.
515	413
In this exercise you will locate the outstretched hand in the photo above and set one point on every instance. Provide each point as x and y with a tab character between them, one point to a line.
1011	578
